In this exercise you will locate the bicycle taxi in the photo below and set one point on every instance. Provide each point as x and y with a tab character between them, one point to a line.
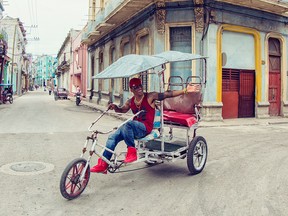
162	144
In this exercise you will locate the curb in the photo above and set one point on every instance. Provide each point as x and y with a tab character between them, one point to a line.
98	108
204	124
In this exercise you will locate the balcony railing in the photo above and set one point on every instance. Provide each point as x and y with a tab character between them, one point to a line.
115	13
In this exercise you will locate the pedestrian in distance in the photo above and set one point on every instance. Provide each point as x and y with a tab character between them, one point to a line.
78	89
78	96
49	89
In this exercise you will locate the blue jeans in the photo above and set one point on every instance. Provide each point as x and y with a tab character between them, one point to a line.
127	132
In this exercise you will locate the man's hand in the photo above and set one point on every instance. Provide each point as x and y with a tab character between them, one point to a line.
193	87
118	109
112	106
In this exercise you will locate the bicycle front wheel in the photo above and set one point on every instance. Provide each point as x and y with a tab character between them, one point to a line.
71	184
10	100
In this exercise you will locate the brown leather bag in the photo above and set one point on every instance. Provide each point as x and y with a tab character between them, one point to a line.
183	103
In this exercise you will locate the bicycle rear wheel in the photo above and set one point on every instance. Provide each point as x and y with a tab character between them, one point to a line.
71	186
197	155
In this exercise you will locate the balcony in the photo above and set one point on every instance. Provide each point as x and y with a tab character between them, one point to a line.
279	7
115	13
63	67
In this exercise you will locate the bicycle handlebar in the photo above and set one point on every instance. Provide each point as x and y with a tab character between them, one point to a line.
99	117
115	128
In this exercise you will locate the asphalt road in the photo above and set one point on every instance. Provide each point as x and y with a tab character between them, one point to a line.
245	174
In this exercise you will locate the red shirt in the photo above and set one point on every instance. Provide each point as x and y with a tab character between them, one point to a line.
147	117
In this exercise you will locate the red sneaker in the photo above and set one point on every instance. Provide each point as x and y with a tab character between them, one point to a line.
131	155
101	167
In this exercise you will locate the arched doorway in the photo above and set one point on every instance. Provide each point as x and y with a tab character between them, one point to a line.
274	94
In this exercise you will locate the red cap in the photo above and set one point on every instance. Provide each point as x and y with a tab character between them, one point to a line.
135	82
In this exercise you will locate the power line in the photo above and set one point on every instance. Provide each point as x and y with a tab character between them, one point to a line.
29	9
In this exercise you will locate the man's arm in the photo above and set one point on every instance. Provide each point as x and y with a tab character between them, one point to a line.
123	109
175	93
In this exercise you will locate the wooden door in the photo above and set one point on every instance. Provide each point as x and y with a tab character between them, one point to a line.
230	93
247	94
274	94
238	93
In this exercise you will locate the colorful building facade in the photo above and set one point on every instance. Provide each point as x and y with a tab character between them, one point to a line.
78	71
45	71
245	42
72	63
16	41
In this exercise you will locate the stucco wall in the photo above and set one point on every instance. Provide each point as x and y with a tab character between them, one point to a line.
244	42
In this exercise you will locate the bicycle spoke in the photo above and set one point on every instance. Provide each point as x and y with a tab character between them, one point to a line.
72	188
68	185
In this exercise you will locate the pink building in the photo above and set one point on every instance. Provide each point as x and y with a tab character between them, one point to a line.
78	68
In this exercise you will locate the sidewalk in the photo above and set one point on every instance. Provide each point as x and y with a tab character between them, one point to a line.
203	123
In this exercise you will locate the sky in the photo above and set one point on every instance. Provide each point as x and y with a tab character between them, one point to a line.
47	22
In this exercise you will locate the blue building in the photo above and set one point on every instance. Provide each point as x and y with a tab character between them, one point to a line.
45	67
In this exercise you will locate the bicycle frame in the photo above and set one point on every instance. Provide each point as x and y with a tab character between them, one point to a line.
94	138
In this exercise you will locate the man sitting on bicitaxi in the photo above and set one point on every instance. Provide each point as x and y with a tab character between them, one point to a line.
141	125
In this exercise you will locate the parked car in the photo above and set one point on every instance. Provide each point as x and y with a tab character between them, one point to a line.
61	93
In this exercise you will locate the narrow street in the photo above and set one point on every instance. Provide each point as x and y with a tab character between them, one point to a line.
246	171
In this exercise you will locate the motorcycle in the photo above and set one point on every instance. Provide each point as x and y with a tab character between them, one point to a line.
78	98
7	97
7	94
